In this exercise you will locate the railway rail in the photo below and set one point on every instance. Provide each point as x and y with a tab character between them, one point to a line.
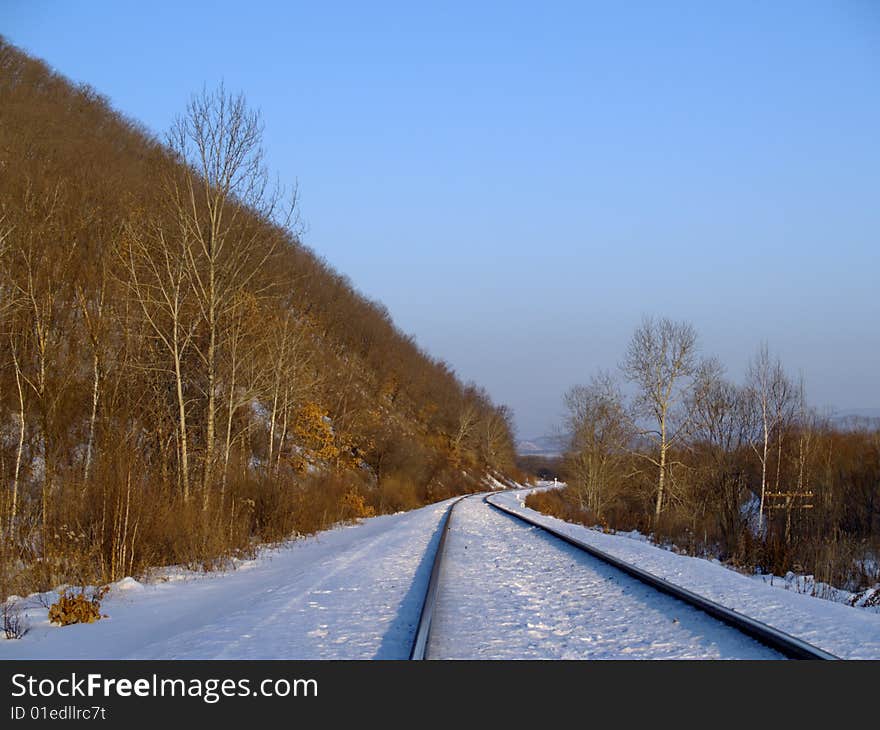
423	631
789	646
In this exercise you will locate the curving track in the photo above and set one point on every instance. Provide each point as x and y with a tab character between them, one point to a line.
502	588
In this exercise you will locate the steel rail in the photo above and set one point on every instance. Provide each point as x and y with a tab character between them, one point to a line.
423	631
785	644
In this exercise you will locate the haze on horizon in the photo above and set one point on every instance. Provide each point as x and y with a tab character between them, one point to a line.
519	187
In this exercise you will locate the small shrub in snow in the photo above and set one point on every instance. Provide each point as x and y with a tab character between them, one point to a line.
867	599
15	624
77	608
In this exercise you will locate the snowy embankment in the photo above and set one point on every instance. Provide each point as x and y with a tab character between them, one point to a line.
847	632
349	593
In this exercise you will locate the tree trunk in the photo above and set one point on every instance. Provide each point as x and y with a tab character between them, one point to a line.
20	450
181	408
763	480
227	447
286	411
271	449
207	474
90	443
778	456
660	483
662	477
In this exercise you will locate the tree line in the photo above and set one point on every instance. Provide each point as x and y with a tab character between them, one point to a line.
748	472
180	377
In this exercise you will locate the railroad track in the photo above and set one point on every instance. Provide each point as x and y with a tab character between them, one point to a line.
787	645
423	632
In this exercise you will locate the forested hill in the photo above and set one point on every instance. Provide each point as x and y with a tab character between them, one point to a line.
180	377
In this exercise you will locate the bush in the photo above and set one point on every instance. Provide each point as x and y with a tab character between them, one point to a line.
15	625
559	503
399	494
77	608
354	506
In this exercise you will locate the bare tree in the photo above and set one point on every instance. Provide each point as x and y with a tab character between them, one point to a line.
22	425
8	301
94	316
224	183
721	425
660	360
157	278
496	435
807	418
45	259
466	422
243	373
601	436
771	394
783	402
288	384
807	426
7	290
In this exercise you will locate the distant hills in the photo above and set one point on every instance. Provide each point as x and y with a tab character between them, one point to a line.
858	418
859	413
554	444
547	445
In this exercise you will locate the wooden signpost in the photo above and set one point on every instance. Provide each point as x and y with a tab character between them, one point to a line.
788	501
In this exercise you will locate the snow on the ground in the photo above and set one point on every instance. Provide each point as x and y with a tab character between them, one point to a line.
844	631
509	591
506	591
493	483
868	599
349	593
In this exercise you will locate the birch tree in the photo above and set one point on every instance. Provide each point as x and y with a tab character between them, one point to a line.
224	183
22	424
770	391
660	361
93	312
155	265
9	298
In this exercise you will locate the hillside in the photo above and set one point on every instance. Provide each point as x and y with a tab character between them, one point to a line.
180	377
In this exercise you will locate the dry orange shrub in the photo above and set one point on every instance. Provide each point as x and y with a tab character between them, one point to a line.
77	608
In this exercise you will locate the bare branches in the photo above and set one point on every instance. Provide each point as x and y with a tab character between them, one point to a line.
223	205
659	361
772	396
601	438
158	280
660	354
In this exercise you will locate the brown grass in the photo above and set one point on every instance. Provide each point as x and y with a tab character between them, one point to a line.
836	562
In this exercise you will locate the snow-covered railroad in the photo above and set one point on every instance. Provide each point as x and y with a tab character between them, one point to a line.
505	590
509	591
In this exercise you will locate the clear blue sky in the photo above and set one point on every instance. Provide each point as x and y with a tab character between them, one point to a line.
519	183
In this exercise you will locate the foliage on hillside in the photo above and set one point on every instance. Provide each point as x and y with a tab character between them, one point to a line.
180	377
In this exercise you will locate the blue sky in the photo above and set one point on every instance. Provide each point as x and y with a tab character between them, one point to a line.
520	183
